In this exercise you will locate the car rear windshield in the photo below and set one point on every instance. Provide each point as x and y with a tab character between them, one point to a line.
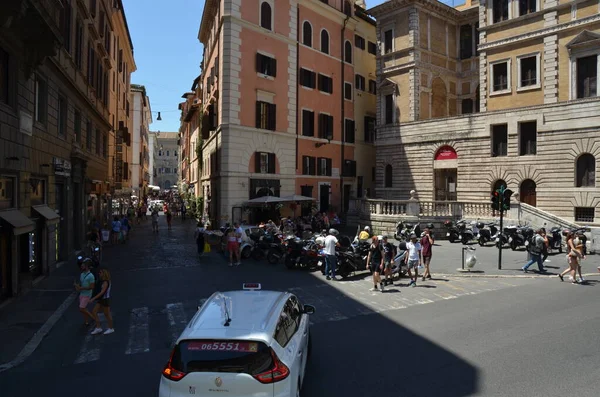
236	356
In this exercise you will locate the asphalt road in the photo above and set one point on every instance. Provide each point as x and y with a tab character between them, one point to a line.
446	337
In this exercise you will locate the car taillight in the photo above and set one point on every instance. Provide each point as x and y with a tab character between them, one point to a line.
171	373
278	373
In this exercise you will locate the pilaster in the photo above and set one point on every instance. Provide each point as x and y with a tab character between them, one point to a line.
292	68
550	71
483	81
414	75
230	82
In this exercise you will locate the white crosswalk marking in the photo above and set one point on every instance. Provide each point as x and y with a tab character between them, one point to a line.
90	350
139	337
177	319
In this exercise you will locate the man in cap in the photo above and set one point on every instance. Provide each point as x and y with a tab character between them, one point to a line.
413	259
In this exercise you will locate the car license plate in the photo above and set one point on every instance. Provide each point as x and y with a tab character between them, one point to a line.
223	346
447	234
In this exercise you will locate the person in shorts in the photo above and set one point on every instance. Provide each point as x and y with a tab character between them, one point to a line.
413	259
102	300
389	251
233	246
375	263
85	287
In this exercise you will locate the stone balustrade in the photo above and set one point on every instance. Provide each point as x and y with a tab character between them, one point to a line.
416	208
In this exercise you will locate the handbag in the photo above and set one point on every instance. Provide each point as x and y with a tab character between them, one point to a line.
206	247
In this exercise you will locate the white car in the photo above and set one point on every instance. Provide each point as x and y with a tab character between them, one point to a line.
242	343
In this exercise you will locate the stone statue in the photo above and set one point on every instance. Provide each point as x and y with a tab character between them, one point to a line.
412	208
413	194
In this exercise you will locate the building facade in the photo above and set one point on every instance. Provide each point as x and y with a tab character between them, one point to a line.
166	161
294	63
191	139
489	94
141	120
55	122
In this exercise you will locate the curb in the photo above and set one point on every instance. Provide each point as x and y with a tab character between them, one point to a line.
466	275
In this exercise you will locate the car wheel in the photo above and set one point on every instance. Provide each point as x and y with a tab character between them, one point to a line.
452	239
513	245
246	251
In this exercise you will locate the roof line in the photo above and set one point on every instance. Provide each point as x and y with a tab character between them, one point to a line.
126	26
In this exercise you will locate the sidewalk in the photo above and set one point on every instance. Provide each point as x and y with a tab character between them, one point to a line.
27	319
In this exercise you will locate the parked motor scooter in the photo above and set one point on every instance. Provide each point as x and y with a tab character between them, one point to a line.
487	232
452	231
554	237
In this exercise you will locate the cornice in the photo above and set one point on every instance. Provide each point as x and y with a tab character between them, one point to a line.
329	12
390	6
208	14
540	32
256	28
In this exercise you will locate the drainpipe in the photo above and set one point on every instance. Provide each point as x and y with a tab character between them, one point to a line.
343	121
297	83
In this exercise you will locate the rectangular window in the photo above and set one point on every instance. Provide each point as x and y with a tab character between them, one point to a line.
61	117
388	41
349	130
65	25
389	108
372	48
77	126
308	165
308	123
41	100
348	91
7	192
264	163
93	8
372	87
308	78
500	10
584	214
528	73
325	84
88	135
370	129
325	126
107	40
499	140
587	76
500	76
4	76
527	138
265	115
98	142
466	41
79	44
359	82
527	7
359	42
323	166
266	65
349	169
91	64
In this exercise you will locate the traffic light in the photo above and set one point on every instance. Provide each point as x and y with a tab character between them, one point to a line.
496	200
506	199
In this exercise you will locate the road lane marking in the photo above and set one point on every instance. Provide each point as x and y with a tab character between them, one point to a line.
177	320
90	349
139	338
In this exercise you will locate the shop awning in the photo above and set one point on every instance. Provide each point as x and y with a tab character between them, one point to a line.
19	222
51	217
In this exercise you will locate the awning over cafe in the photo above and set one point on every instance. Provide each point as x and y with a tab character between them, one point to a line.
19	222
52	218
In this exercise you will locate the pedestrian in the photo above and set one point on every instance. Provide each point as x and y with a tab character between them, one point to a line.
239	233
535	250
154	220
375	263
199	236
116	230
413	259
124	228
426	251
389	252
105	234
574	256
545	246
232	246
102	300
169	218
183	210
85	286
330	243
365	234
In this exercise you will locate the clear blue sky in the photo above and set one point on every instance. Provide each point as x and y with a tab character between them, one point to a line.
168	53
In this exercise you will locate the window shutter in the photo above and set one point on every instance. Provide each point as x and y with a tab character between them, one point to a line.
257	162
305	165
272	116
329	127
274	67
313	80
321	132
271	163
328	161
313	166
258	103
258	56
318	166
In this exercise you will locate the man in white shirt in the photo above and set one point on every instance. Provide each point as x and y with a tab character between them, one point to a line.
413	259
331	242
239	232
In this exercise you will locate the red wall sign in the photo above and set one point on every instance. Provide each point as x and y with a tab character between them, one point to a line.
446	153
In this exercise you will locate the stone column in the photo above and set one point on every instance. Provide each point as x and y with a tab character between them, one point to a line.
483	67
415	55
550	69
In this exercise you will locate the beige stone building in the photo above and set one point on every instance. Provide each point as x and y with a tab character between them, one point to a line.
490	93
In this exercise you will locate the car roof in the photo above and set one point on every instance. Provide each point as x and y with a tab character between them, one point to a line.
253	314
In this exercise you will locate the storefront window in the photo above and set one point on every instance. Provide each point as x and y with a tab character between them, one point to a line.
7	192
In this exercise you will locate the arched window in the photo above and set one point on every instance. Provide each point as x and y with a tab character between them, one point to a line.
348	52
585	171
324	41
467	106
307	34
387	176
265	16
527	192
347	8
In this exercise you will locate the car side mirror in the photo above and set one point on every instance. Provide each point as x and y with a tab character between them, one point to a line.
309	309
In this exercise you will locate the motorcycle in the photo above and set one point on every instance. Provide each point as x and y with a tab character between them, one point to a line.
518	236
348	262
467	233
487	232
452	232
404	230
295	250
554	237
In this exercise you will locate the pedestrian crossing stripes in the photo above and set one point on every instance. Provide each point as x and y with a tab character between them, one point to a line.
154	328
